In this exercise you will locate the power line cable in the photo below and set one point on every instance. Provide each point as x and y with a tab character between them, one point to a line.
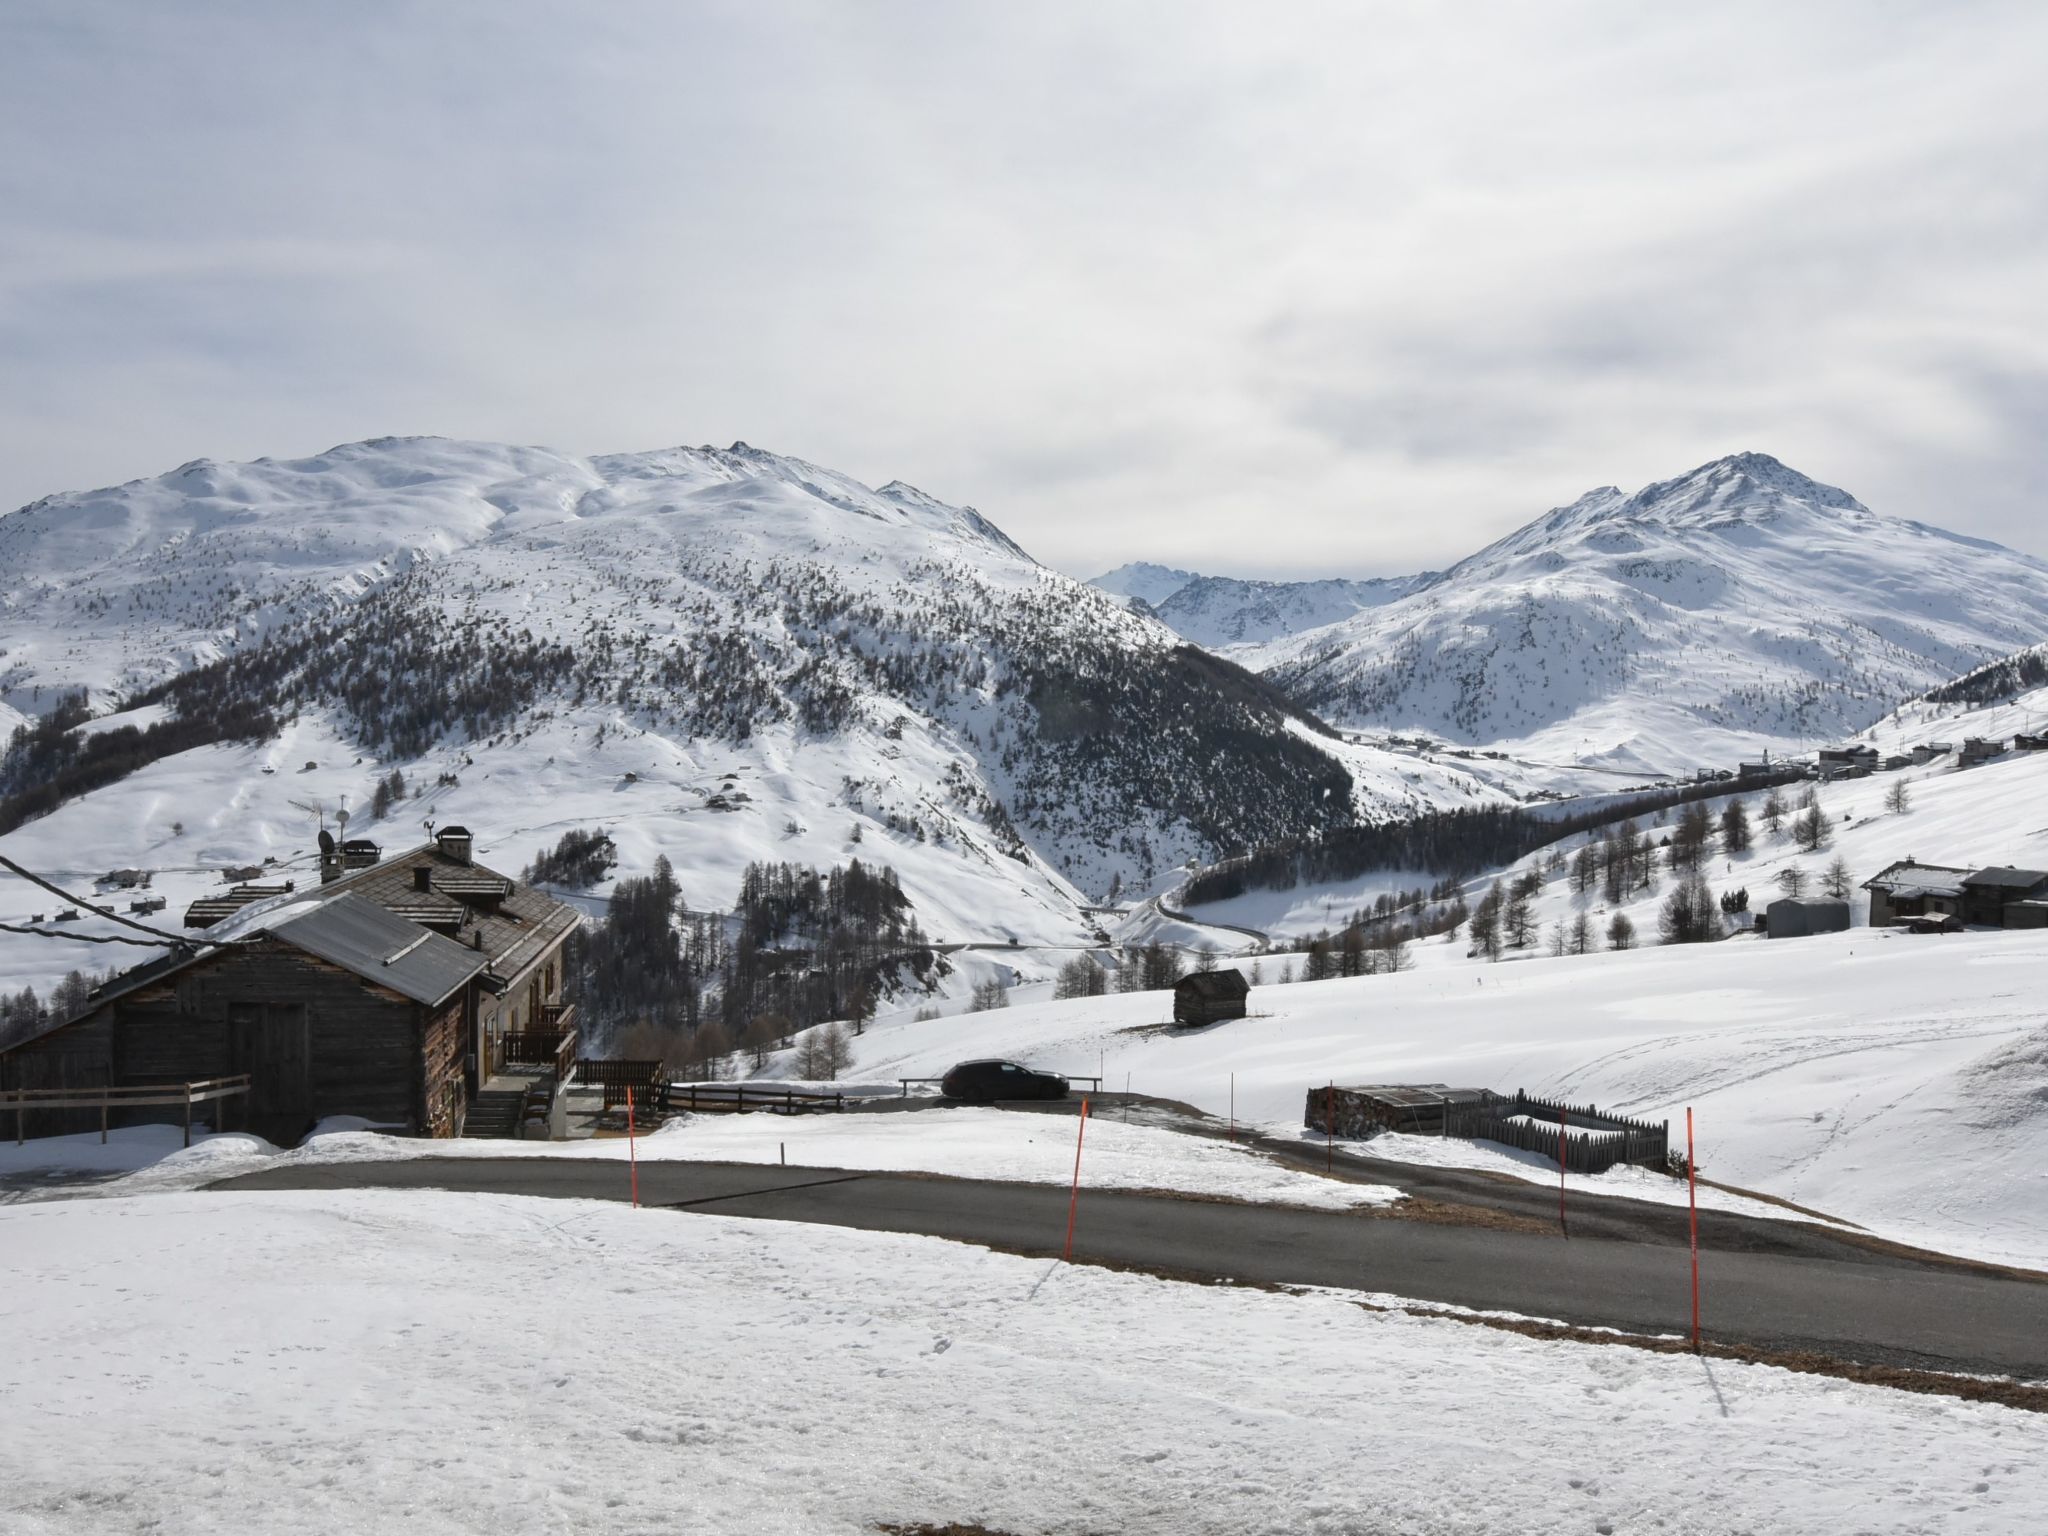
127	922
101	938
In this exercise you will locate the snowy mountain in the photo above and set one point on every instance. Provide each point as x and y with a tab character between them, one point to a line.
1225	614
1149	584
720	655
1700	619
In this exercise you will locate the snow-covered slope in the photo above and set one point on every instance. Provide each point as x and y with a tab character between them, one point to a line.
716	654
1701	619
1897	1082
1995	702
1226	614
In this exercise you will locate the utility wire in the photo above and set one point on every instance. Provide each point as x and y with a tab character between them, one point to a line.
98	938
127	922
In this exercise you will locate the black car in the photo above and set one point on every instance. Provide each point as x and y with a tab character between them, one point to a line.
984	1082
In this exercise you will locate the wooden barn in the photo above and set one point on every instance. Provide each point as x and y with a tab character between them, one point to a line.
1210	997
386	992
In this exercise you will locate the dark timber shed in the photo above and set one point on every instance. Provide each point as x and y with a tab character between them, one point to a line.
1209	997
386	994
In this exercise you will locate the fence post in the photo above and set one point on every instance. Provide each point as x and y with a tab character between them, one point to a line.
1074	1197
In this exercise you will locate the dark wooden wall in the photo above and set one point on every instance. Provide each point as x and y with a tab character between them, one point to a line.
317	1040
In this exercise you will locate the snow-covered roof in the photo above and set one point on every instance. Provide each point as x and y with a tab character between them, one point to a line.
2005	878
1906	878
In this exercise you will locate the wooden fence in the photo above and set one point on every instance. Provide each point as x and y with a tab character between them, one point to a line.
1593	1141
739	1098
126	1096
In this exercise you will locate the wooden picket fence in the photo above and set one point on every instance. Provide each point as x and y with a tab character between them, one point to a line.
1594	1141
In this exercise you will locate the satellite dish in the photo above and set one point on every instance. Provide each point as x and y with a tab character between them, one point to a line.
326	843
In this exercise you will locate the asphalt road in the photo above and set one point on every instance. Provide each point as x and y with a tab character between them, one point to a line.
1808	1292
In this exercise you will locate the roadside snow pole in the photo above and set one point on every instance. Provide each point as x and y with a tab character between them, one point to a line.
1074	1196
1233	1106
1330	1129
1561	1118
632	1149
1692	1181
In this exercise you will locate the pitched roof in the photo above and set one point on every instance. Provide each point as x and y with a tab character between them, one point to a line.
1907	878
2005	878
383	948
1219	983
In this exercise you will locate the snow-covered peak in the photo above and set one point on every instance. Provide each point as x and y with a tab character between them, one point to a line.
1737	606
1744	487
1150	584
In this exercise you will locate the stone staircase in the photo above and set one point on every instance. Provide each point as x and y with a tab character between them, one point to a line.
495	1113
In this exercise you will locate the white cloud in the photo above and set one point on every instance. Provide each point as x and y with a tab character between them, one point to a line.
1247	288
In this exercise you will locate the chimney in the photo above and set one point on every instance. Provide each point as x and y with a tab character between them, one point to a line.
454	843
330	868
423	877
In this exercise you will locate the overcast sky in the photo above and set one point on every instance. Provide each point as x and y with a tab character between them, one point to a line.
1259	289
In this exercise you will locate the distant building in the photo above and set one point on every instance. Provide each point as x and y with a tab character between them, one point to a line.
1797	917
2025	743
1908	890
1988	894
1854	756
1897	761
1210	997
1978	750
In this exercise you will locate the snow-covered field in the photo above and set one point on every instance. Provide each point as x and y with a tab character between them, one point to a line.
1897	1082
455	1363
964	1142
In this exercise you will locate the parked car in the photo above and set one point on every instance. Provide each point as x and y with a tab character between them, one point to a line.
984	1082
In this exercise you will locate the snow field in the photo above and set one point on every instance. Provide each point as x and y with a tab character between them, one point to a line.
1897	1082
454	1363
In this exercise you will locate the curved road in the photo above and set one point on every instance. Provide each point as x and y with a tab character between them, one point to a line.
1771	1285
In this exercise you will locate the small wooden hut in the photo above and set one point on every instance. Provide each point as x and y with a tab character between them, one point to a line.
1210	997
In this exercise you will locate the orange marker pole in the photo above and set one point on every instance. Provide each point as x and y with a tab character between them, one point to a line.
632	1149
1692	1179
1074	1198
1561	1117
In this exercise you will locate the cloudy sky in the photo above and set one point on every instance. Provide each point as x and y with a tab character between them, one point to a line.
1250	288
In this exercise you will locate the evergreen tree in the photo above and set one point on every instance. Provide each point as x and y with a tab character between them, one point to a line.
1735	836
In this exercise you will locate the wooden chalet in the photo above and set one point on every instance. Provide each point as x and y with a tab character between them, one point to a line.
388	992
1909	889
1210	997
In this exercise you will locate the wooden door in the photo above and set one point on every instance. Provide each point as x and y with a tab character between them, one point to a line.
268	1041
